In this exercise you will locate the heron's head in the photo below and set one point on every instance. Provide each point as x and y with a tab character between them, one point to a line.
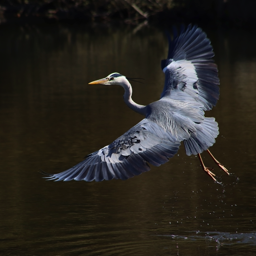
112	79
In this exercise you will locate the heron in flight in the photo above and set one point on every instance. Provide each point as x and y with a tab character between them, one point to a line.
190	89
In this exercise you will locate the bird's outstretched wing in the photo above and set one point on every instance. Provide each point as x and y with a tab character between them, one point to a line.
125	157
190	73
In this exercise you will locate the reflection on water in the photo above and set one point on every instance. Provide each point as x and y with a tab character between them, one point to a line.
51	118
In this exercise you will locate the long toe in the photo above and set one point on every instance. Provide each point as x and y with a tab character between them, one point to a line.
211	174
224	169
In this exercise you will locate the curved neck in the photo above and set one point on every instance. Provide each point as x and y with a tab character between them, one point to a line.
141	109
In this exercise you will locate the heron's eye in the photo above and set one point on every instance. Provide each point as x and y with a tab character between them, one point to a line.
111	78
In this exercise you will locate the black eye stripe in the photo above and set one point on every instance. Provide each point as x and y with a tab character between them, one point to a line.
116	75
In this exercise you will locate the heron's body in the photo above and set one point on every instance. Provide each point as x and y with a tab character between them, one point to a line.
191	88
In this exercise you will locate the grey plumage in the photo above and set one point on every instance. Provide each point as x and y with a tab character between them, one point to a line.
191	87
127	156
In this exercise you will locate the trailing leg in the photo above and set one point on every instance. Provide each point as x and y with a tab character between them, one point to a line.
218	163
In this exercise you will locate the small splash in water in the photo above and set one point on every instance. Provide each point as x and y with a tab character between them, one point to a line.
219	237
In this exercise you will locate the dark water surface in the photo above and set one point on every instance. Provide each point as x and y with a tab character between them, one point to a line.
50	118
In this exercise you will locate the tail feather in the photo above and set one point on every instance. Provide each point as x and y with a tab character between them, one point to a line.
204	137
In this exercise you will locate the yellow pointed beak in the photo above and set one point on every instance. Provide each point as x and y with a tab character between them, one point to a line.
100	81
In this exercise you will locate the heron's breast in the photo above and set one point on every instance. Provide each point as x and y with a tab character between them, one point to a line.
171	118
161	113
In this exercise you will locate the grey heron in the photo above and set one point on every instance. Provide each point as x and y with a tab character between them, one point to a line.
190	89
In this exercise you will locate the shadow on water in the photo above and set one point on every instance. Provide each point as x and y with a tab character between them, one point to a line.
51	119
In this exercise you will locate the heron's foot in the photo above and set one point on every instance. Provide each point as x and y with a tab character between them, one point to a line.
218	163
223	168
211	174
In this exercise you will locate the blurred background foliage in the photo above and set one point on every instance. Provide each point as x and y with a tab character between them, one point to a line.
213	12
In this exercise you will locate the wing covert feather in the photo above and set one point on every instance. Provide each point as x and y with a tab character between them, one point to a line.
125	157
